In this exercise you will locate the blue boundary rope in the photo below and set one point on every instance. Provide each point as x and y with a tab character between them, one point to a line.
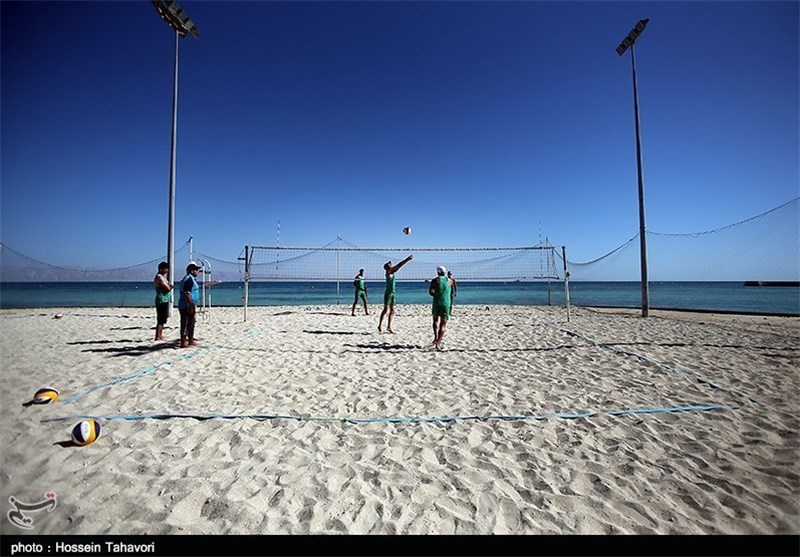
138	374
401	419
687	374
150	370
407	419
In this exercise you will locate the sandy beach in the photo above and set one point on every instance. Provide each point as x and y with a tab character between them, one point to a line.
682	423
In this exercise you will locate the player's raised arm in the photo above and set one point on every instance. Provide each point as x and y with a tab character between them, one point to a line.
403	262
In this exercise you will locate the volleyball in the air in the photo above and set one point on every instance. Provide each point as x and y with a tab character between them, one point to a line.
45	396
407	230
86	432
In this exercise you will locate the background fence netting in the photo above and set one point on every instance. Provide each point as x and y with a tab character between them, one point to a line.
16	267
765	247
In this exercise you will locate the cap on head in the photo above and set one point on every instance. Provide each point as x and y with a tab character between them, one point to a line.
192	266
440	270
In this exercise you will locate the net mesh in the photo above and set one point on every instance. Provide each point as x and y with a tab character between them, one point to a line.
17	267
765	247
340	259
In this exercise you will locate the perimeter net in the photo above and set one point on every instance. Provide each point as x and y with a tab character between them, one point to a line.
765	247
17	267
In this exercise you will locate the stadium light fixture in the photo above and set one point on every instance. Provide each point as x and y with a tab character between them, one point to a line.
177	19
626	43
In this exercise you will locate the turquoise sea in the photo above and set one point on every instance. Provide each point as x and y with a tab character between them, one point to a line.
718	296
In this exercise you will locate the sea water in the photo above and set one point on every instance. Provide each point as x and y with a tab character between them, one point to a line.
720	296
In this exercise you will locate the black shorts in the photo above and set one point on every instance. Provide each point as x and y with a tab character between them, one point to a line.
162	313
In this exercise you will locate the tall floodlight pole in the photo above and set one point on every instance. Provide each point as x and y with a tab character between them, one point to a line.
177	19
623	46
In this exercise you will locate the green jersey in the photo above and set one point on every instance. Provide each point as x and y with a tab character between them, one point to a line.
162	295
389	284
441	292
359	285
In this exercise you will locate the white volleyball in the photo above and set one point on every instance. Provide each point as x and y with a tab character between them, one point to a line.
86	432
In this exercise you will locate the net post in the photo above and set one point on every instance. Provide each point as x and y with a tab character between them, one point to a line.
206	296
202	287
246	278
277	249
337	269
566	278
210	274
551	264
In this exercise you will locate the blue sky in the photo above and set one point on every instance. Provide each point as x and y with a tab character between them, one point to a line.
475	123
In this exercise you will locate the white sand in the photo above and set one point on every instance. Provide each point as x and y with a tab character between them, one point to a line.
732	470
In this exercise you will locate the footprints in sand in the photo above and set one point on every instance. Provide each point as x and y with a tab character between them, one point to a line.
729	472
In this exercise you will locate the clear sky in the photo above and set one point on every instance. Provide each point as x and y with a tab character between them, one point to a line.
475	123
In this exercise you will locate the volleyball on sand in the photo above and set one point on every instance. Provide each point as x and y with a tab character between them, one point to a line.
86	432
45	396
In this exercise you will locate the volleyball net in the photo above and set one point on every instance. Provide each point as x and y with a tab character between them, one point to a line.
341	260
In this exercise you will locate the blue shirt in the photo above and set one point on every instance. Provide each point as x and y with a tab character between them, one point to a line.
189	284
